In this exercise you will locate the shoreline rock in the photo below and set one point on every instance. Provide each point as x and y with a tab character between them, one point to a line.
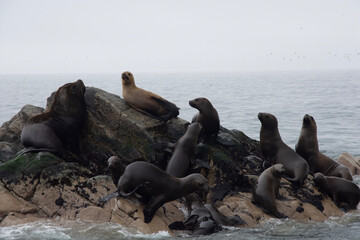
43	186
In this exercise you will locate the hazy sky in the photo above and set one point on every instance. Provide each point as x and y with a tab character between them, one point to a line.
85	36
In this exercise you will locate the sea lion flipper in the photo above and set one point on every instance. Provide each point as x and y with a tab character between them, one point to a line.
154	204
147	113
108	197
35	150
135	189
173	110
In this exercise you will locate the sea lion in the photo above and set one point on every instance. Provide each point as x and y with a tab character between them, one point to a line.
116	168
200	220
275	150
207	116
339	189
184	152
164	187
232	221
145	101
308	147
266	190
61	125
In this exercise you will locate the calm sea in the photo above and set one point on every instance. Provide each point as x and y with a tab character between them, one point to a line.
331	97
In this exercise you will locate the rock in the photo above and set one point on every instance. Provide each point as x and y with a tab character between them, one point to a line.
44	186
353	163
10	132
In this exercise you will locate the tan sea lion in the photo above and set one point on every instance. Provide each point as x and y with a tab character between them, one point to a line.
266	190
60	127
339	189
275	150
164	187
184	152
207	116
308	147
145	101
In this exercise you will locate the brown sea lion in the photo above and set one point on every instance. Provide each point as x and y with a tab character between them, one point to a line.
164	187
199	221
308	147
207	116
275	150
223	220
116	168
184	152
60	127
339	189
145	101
266	190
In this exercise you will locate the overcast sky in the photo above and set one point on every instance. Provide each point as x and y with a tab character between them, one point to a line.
85	36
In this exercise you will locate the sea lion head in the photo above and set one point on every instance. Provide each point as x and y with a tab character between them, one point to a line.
268	120
115	163
127	79
309	122
199	182
116	168
200	103
69	99
278	170
319	179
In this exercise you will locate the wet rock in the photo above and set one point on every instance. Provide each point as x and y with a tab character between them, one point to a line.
42	185
10	132
353	163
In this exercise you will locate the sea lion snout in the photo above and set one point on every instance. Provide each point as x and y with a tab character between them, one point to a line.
80	84
318	178
125	75
306	119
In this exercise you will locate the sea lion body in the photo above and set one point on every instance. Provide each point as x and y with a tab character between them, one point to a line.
61	126
275	150
146	102
200	220
184	152
266	189
339	189
223	220
207	116
308	147
164	187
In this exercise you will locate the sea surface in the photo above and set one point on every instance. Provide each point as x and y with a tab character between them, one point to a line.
332	98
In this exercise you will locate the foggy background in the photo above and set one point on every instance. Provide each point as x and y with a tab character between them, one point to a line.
85	36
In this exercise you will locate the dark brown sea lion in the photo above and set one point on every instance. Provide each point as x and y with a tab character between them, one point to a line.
339	189
199	221
145	101
184	152
207	116
275	150
164	187
223	220
116	168
266	190
308	147
60	127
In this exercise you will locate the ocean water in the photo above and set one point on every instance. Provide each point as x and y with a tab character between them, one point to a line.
331	97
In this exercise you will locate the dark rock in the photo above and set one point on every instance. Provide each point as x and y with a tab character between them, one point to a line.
54	187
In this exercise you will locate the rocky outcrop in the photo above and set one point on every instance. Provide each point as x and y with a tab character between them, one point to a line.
42	185
353	163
